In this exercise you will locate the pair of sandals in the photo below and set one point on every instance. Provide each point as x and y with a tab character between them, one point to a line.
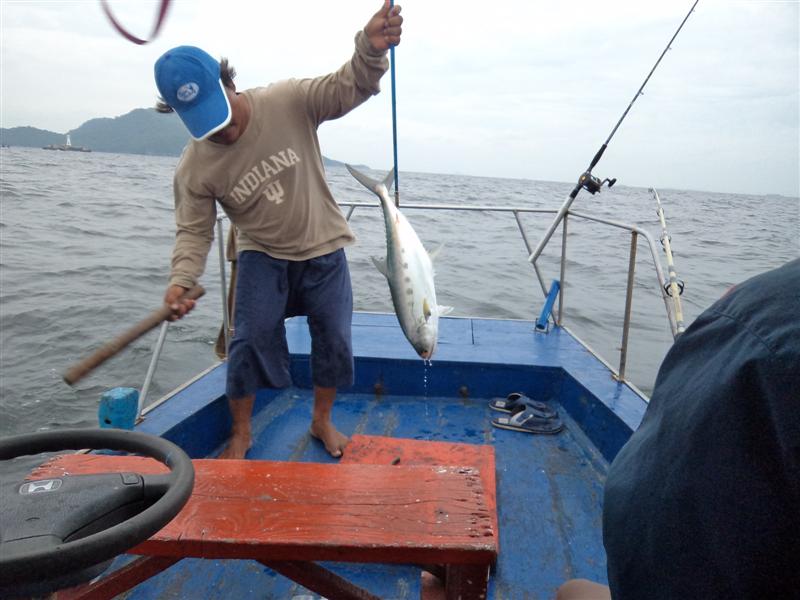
525	414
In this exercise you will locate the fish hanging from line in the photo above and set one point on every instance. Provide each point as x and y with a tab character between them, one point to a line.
409	270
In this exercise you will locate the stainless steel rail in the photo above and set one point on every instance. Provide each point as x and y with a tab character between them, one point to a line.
516	211
223	285
564	215
162	335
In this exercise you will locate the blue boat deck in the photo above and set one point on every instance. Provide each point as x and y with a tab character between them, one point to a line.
549	487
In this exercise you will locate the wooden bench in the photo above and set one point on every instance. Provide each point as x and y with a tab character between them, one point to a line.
388	501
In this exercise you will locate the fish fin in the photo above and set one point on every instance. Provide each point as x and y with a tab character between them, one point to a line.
388	181
435	253
426	309
445	310
368	182
380	264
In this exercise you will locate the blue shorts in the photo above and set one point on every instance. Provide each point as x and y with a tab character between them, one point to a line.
268	290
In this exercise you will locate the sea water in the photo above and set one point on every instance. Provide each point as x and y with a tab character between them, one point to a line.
85	243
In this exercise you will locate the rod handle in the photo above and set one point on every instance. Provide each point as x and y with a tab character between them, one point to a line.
82	368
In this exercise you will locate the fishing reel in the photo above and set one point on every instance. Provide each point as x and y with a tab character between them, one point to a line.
668	287
593	184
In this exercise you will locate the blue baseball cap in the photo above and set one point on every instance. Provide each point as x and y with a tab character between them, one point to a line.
189	81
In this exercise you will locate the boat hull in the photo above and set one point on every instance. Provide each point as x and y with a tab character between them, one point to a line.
549	488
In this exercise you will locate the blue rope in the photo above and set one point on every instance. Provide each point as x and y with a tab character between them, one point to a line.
394	124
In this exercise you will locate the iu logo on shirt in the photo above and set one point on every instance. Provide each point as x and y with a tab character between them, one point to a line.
262	179
274	192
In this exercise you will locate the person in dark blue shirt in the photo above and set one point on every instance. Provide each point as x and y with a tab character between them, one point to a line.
703	501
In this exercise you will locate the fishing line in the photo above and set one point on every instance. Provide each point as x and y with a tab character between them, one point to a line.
588	181
599	154
162	13
394	119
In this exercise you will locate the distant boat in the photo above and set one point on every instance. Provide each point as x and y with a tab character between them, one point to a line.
67	147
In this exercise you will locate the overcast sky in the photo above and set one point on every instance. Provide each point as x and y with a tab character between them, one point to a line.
512	88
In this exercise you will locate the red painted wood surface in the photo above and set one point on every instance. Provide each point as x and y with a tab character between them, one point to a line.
318	579
122	580
268	510
381	450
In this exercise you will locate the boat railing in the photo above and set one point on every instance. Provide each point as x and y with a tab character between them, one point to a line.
635	232
517	212
162	335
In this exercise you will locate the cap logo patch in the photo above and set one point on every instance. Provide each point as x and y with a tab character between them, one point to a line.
188	91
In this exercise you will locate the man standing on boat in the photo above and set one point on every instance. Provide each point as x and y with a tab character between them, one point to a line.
256	153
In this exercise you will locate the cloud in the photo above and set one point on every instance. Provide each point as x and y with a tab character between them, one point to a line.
517	88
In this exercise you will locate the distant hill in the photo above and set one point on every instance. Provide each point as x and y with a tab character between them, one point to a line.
141	131
29	136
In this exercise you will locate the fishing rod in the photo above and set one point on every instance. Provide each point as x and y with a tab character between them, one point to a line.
587	181
394	120
673	287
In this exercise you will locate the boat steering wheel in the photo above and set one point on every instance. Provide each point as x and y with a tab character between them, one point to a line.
62	531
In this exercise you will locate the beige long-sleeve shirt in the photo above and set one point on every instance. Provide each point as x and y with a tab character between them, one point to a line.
271	181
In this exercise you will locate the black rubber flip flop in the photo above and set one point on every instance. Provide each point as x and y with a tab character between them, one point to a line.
529	421
516	400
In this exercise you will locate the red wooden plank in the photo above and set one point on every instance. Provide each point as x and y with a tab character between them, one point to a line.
84	464
466	582
267	510
381	450
320	580
121	580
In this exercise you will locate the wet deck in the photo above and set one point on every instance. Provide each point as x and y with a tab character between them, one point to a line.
549	488
549	494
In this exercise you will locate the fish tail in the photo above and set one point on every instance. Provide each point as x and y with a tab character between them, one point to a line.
369	183
388	181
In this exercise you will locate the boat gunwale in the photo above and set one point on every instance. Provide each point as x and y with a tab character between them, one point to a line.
575	376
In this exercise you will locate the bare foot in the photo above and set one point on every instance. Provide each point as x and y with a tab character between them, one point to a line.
325	432
237	447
